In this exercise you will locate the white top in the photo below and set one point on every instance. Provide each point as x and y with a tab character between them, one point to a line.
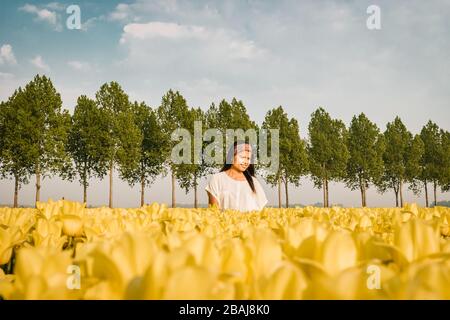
235	194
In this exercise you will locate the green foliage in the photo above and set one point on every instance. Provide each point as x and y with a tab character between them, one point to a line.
444	177
431	161
415	153
234	116
123	138
173	113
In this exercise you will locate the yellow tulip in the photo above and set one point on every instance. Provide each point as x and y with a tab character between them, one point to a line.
363	282
412	208
8	239
204	252
72	225
6	285
207	286
42	274
121	261
417	239
234	258
338	252
365	222
424	280
265	252
287	282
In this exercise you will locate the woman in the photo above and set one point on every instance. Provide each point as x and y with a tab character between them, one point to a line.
235	186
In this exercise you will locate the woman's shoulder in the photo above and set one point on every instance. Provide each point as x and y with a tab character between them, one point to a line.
222	175
218	174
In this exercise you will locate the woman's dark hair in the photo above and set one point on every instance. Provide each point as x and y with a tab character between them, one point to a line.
249	172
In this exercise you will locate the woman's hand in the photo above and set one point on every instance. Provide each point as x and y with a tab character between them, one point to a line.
211	199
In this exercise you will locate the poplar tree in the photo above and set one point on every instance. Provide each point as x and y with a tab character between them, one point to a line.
152	149
88	137
293	162
122	137
171	115
366	147
327	151
48	126
16	158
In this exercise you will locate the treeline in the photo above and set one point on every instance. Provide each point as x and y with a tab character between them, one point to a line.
109	132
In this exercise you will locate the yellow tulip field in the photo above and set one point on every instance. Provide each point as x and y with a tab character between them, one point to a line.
62	250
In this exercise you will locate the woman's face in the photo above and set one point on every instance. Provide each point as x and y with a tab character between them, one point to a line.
242	157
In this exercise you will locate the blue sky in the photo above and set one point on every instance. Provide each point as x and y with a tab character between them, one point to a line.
298	54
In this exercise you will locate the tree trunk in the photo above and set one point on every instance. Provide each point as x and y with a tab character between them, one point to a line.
362	195
279	192
361	189
287	192
195	194
364	190
111	170
396	199
328	194
434	190
324	187
38	182
85	185
16	191
396	196
173	189
142	189
85	192
400	189
426	194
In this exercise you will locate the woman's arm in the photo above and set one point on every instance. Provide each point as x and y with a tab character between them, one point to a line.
211	199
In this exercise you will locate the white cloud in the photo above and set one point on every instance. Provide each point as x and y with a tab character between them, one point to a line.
163	30
122	12
44	14
7	54
79	65
189	12
219	45
89	23
39	63
55	6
